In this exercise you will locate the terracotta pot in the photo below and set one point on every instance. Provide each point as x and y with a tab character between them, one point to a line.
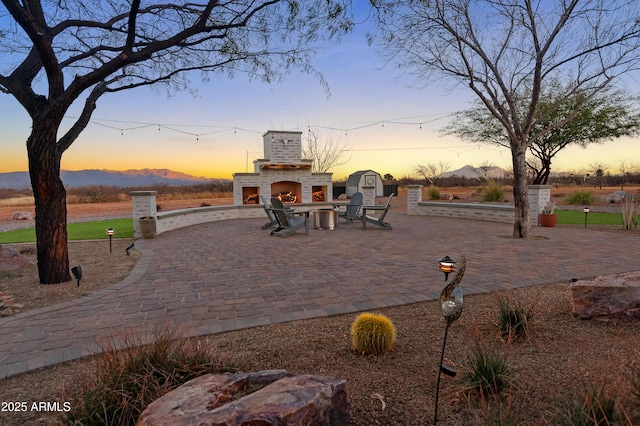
548	220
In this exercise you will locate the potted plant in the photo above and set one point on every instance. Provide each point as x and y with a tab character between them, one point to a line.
548	218
147	226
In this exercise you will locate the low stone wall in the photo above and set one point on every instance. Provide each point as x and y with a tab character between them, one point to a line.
489	212
477	211
175	219
144	205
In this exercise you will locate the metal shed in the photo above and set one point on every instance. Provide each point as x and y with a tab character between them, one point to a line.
362	178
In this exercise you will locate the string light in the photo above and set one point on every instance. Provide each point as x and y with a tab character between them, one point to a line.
221	129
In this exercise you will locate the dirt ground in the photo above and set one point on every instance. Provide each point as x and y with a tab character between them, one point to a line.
562	357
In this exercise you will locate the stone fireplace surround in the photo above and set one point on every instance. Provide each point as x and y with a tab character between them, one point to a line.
282	172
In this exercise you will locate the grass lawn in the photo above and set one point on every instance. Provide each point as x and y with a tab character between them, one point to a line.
571	217
77	231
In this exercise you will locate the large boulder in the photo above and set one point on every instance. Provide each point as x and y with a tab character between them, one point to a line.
11	259
271	397
608	297
22	216
615	197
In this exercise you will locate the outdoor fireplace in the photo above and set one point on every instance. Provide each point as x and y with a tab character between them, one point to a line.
282	173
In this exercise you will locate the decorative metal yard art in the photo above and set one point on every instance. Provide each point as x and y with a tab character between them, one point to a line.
451	307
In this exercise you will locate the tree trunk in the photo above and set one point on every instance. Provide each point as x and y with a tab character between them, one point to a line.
50	204
521	223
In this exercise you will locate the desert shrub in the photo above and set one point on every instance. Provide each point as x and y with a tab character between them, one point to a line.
132	373
592	406
509	410
17	201
372	334
513	317
580	198
434	193
487	370
492	192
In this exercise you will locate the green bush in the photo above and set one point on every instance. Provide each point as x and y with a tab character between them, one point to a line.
132	373
514	318
580	198
492	192
434	193
487	371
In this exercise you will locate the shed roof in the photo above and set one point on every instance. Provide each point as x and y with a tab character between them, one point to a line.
354	177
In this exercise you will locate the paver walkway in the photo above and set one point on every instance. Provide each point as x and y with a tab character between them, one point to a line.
228	275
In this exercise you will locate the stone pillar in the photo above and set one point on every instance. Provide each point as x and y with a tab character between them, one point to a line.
369	195
143	204
414	196
539	196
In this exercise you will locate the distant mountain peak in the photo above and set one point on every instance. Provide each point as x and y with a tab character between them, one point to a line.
118	178
470	172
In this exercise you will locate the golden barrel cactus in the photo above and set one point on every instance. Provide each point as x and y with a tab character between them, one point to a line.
372	334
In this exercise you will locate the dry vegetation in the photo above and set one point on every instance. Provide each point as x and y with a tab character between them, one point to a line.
562	359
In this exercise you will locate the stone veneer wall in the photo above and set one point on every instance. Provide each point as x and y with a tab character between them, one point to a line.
539	195
143	204
281	147
145	201
264	180
285	148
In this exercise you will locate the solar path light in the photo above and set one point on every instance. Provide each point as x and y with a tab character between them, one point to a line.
451	307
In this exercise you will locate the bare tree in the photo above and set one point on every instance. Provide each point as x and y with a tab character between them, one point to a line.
502	49
431	172
625	169
325	151
598	170
74	51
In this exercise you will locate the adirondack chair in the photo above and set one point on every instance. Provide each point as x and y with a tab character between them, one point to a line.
267	209
379	219
289	220
272	218
352	212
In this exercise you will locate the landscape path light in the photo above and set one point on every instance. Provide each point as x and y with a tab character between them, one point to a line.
110	232
586	213
451	303
129	247
77	273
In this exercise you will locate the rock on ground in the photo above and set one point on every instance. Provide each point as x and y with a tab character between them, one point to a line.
21	216
608	297
11	259
271	397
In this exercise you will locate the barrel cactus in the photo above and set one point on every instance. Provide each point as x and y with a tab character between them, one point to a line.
372	334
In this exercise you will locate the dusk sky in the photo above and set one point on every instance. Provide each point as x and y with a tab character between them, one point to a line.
388	123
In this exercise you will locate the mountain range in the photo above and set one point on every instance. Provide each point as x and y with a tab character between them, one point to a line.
123	179
470	172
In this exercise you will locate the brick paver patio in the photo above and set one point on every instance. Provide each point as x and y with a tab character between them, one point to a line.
229	275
